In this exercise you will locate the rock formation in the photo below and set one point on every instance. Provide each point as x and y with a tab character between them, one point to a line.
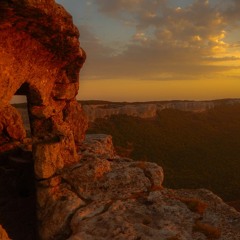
11	128
103	196
108	197
148	109
40	57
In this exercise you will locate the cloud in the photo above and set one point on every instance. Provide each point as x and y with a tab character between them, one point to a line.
232	12
119	6
143	63
91	43
198	25
96	53
168	43
222	59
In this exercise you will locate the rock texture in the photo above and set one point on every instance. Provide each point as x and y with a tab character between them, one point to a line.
11	128
40	57
105	196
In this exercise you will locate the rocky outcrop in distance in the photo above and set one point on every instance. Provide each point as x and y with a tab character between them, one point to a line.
147	109
143	110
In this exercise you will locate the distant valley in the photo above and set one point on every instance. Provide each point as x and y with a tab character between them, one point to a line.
197	148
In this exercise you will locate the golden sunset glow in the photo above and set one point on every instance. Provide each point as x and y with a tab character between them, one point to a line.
156	50
128	90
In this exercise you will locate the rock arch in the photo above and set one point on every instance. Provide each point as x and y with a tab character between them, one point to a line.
40	57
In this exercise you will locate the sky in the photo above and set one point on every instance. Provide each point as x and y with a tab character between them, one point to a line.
144	50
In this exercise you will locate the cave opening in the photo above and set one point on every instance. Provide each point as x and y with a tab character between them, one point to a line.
20	103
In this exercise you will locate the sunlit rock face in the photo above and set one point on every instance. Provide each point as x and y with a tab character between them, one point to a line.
105	196
40	56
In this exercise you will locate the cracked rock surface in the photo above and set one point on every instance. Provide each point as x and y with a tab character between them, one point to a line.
105	196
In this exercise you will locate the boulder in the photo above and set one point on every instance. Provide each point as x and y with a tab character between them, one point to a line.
99	145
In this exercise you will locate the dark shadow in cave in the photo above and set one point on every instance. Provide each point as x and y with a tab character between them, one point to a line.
18	193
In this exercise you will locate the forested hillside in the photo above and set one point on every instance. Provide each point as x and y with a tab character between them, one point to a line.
196	150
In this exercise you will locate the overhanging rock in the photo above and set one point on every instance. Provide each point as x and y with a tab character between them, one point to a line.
41	57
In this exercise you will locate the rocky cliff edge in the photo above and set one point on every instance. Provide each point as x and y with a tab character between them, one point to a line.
105	196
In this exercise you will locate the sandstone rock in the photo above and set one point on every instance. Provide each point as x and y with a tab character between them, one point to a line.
40	57
54	154
125	200
158	215
75	117
99	179
116	198
56	204
41	42
99	145
11	123
65	91
65	134
3	234
48	111
47	159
